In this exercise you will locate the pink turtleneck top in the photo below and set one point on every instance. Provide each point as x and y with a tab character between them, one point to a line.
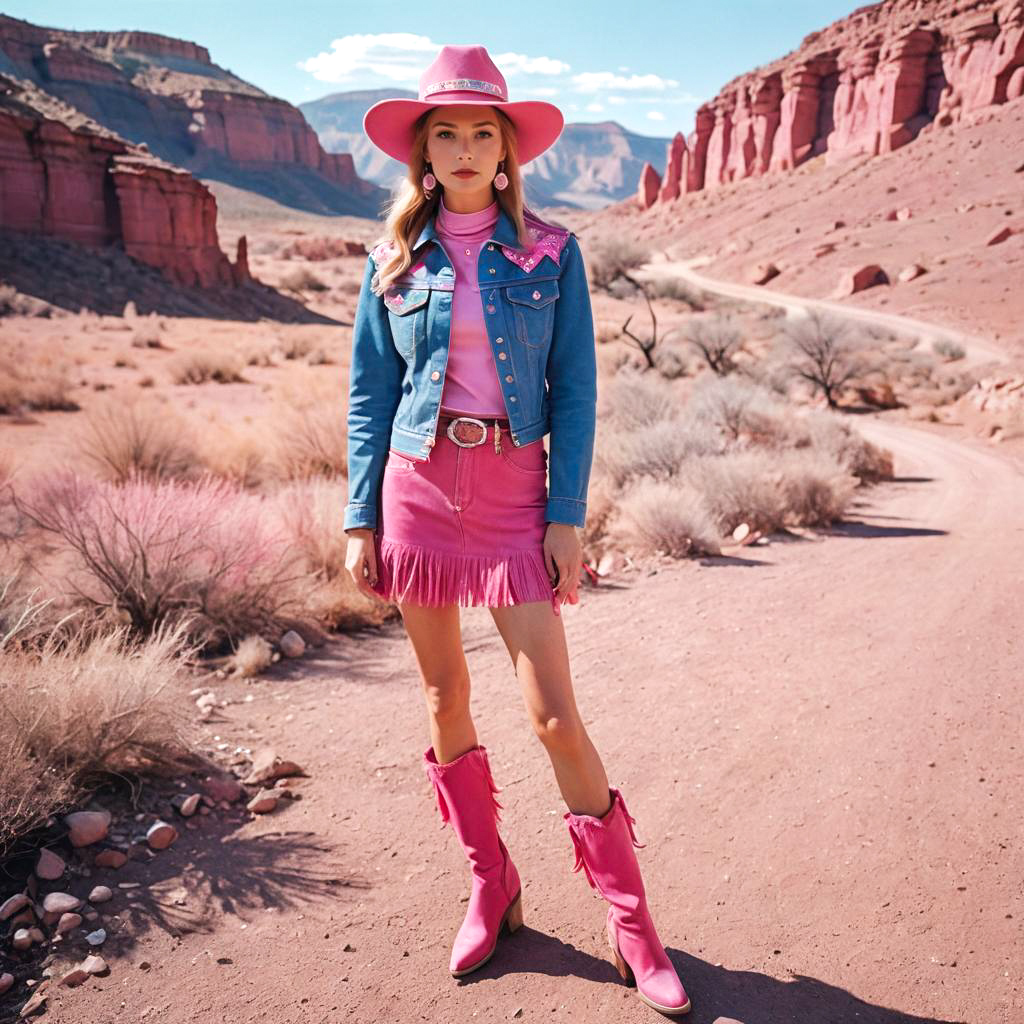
471	382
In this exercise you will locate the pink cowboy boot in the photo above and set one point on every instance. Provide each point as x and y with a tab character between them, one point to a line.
465	798
604	849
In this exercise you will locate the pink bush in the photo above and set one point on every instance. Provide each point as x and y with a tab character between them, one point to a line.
158	551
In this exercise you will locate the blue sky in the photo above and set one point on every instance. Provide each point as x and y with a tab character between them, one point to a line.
647	66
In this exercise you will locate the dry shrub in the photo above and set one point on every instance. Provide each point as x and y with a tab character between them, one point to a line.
312	439
126	437
236	454
656	450
33	381
81	709
791	488
634	399
735	407
827	433
197	366
309	510
302	279
320	248
253	656
151	552
667	517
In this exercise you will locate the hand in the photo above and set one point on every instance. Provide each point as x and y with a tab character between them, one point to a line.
361	560
563	557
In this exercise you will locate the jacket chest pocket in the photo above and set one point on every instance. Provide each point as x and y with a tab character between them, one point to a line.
533	311
407	312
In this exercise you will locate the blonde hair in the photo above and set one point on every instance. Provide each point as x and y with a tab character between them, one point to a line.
409	210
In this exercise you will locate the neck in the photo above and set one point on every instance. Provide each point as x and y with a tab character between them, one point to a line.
456	203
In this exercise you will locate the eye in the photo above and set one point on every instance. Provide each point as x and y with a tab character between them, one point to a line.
443	131
485	131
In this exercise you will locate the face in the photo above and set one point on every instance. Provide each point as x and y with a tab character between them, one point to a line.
463	138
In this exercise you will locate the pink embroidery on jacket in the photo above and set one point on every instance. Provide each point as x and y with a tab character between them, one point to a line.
546	243
383	252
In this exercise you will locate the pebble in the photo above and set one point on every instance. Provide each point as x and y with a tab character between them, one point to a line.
60	902
49	866
111	859
100	894
94	964
67	922
6	981
22	939
11	906
186	806
87	827
161	835
97	938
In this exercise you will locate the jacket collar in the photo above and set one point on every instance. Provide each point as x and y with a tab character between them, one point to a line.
504	231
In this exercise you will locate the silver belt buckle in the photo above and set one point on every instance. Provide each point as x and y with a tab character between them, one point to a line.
450	431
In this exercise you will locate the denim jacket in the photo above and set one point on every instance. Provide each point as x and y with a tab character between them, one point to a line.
540	325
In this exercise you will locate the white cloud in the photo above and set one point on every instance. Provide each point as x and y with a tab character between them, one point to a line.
616	100
596	107
540	90
655	115
592	81
520	64
397	56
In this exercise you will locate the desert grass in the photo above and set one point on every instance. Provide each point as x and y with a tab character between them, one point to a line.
197	366
33	381
129	436
252	657
79	709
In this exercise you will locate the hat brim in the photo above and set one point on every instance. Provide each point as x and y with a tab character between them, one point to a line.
388	123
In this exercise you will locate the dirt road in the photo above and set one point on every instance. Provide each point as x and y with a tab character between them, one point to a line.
820	741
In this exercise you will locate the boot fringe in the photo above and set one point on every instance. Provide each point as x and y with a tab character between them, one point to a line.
420	575
435	770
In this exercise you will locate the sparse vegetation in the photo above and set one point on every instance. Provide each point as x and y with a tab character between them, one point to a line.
197	366
716	340
823	351
948	349
302	279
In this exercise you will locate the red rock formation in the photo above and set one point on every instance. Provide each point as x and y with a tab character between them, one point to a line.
168	93
650	183
66	176
865	85
670	188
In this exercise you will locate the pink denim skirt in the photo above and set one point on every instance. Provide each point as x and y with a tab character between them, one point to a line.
464	527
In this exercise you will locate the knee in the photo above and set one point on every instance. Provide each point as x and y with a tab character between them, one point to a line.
562	733
447	699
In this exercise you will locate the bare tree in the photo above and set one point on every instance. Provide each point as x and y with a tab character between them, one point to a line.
822	351
717	341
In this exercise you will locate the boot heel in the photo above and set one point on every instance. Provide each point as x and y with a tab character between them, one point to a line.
625	971
515	913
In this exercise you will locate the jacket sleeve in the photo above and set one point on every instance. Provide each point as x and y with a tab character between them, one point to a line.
375	387
572	391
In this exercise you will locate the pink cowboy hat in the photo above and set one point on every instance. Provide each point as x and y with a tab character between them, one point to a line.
462	74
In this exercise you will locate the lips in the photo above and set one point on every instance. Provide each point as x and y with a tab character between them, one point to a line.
464	174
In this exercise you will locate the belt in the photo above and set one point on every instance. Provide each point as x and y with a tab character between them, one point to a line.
470	431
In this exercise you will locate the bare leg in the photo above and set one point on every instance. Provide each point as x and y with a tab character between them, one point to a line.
436	638
536	644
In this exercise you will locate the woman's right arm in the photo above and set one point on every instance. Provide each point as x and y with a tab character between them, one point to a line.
375	387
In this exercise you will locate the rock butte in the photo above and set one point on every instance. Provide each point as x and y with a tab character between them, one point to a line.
865	85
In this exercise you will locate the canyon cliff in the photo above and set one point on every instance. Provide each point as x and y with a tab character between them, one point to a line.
867	84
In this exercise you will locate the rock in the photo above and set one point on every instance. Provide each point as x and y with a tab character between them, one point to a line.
75	976
264	801
223	787
35	1004
292	645
911	271
94	964
49	866
97	938
208	700
67	922
903	213
22	939
6	981
161	835
762	273
186	805
671	182
649	187
87	827
37	934
858	279
999	235
12	905
100	894
267	766
60	903
111	858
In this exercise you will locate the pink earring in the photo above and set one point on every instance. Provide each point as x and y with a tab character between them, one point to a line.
429	181
501	180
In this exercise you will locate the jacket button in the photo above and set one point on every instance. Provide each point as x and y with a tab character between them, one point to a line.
509	377
490	248
501	355
498	341
491	270
511	398
490	309
536	294
435	375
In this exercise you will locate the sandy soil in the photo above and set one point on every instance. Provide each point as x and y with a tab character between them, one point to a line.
819	739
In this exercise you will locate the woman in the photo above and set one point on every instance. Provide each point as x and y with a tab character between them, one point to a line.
474	338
